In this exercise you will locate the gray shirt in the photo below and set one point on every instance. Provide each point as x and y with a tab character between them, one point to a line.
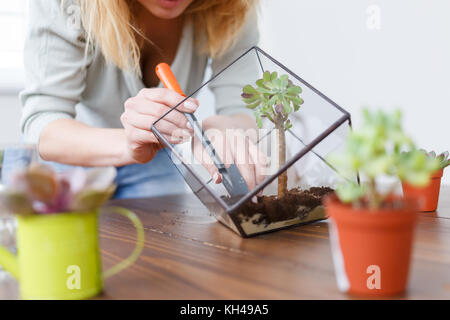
64	83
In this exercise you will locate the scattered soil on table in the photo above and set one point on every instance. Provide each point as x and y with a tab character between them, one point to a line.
295	203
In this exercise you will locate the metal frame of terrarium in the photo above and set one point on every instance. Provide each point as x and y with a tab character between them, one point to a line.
200	186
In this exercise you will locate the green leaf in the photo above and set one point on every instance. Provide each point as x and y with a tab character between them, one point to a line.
443	160
284	81
295	90
269	85
253	105
445	164
273	76
288	125
272	100
249	98
251	101
266	76
262	88
266	91
250	90
277	83
258	119
260	83
296	100
286	107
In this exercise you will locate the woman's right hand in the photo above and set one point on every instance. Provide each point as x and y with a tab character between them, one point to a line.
143	110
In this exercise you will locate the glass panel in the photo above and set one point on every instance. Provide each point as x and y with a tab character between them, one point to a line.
319	127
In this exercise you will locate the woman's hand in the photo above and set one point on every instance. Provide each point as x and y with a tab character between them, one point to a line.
143	110
233	145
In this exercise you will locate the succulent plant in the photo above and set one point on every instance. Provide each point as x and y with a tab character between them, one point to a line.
39	189
375	150
274	98
442	158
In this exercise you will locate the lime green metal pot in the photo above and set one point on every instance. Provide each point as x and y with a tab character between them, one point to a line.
58	255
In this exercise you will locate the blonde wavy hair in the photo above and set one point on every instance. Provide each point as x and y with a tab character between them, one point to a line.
109	24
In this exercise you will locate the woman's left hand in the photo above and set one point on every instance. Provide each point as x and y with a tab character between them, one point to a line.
233	145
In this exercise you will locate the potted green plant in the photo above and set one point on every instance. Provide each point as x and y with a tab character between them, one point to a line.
429	194
275	97
58	255
371	229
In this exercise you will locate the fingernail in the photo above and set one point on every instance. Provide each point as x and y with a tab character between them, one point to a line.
188	125
190	105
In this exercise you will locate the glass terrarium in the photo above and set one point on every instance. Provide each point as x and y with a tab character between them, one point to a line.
295	148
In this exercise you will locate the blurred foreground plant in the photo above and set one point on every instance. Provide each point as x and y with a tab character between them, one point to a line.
375	150
39	189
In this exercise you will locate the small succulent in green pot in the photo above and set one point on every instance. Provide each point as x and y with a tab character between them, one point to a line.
377	150
274	98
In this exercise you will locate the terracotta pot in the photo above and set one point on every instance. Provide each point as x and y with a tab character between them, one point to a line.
371	249
428	196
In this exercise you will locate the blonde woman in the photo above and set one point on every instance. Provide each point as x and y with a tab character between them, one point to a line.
92	93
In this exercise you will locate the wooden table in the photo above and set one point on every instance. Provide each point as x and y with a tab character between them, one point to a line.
188	255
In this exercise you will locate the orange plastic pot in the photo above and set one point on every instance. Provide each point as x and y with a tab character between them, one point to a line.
428	196
371	249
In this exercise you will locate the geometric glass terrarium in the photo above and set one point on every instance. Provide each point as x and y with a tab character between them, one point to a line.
318	128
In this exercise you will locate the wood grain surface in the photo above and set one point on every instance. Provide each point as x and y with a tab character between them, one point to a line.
188	255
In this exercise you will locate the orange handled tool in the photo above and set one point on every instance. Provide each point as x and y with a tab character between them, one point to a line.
168	79
232	179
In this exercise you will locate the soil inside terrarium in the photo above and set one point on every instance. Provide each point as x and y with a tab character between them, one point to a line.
295	203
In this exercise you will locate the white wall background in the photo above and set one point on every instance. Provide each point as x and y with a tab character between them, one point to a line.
9	119
405	63
12	29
